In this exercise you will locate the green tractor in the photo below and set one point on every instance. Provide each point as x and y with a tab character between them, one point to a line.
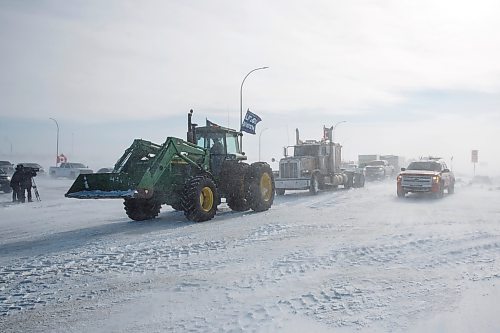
191	176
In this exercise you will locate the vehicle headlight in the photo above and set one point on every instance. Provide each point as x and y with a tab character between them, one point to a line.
436	179
399	178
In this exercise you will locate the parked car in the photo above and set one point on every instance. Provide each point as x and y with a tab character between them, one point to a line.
5	182
7	167
426	176
69	170
37	167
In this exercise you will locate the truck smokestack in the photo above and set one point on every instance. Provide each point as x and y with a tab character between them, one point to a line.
297	138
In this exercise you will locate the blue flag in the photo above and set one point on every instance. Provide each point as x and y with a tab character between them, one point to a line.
250	122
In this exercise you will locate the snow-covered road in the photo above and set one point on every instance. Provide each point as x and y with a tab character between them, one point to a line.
358	260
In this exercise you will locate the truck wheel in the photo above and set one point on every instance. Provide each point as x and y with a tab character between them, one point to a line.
260	184
360	181
314	187
200	199
141	209
451	188
350	181
280	191
440	193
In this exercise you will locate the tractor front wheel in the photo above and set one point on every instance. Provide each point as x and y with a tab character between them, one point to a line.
260	187
142	209
200	199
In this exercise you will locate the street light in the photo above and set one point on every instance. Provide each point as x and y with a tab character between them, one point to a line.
241	103
57	142
333	132
260	135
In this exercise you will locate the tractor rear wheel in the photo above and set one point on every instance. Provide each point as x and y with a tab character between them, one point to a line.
177	206
233	185
260	182
141	209
200	199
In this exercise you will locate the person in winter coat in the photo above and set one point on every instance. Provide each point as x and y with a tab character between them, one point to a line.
15	183
27	182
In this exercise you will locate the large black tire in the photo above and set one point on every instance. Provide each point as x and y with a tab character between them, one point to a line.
359	180
440	193
350	181
451	188
142	209
233	185
177	206
314	186
200	199
260	184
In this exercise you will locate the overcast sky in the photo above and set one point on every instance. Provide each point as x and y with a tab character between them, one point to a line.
410	78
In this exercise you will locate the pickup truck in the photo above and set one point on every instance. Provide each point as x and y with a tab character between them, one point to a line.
378	169
426	176
69	170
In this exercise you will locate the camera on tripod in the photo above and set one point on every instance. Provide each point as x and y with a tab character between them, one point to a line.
31	171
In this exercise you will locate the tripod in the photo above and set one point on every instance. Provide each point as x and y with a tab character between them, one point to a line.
33	185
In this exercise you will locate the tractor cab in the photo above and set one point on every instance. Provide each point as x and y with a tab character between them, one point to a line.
222	143
218	140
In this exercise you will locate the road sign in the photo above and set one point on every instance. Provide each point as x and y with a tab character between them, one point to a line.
474	156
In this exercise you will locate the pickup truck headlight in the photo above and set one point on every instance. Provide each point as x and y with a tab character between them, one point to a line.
436	179
399	178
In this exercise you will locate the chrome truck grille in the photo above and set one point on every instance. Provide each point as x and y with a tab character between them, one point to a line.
416	181
289	170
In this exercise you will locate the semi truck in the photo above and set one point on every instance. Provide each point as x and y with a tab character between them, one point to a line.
314	166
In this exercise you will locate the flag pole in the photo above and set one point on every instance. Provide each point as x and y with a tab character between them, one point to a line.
241	103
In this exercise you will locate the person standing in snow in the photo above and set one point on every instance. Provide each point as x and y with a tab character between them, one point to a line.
27	182
15	183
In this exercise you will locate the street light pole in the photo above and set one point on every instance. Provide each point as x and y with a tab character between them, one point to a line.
260	135
241	103
333	132
57	141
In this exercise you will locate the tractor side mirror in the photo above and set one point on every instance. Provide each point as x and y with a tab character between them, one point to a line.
403	169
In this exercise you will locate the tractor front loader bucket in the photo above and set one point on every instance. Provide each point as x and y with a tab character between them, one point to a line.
102	186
